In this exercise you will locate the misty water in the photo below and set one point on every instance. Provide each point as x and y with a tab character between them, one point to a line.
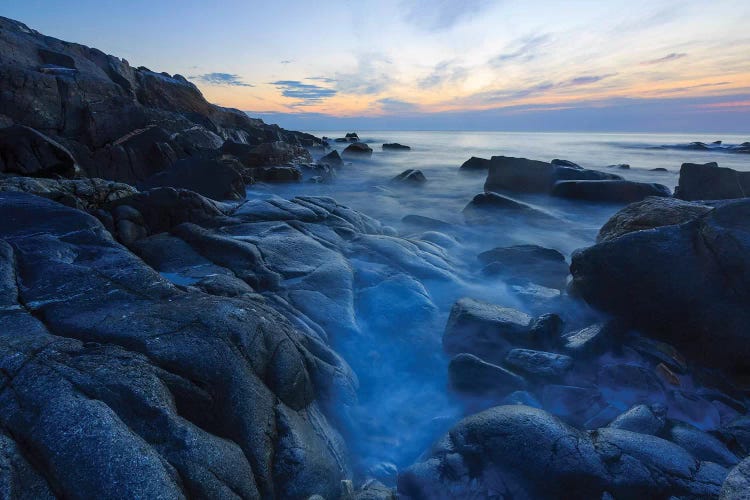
403	401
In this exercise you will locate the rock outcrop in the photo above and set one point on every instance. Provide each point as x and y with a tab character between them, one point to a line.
611	191
710	182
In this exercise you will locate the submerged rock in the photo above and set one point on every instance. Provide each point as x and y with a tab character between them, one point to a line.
613	191
410	176
528	262
469	374
357	149
711	182
486	208
531	176
394	146
643	419
548	364
332	159
475	164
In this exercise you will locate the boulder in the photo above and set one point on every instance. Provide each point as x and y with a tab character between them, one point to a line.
215	179
643	419
410	176
527	262
332	159
394	146
566	163
527	453
488	207
541	363
702	307
737	484
531	176
475	164
650	213
28	152
485	330
701	445
270	154
352	136
277	174
612	191
708	181
358	150
471	375
84	194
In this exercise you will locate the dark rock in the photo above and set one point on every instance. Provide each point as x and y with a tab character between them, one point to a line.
701	445
487	207
629	384
547	364
214	179
485	330
643	419
273	154
737	435
469	374
396	147
659	169
573	404
621	166
84	194
650	213
711	182
529	262
277	174
332	159
426	222
702	309
587	341
531	176
357	149
492	452
566	163
613	191
659	352
737	484
546	329
475	164
410	176
352	135
25	151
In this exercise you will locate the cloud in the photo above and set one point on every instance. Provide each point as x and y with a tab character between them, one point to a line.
228	79
444	72
305	93
494	96
372	76
668	58
439	15
287	61
394	106
527	48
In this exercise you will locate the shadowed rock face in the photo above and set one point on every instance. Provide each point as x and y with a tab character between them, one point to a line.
521	175
124	385
119	122
710	182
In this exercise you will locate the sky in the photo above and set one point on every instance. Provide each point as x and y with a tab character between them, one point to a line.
578	65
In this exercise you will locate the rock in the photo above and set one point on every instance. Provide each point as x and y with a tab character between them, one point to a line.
426	222
702	309
215	179
587	341
547	364
136	388
658	169
487	207
332	159
566	163
394	146
711	182
485	330
701	445
272	154
277	174
612	191
491	452
546	329
28	152
358	150
573	404
352	136
627	385
650	213
410	176
643	419
737	435
528	262
621	166
84	194
469	374
530	176
475	164
737	484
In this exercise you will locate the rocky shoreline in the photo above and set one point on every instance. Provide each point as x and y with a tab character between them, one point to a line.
164	337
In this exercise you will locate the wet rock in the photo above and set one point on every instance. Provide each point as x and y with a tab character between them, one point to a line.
708	181
394	146
625	384
352	136
410	176
737	435
485	330
587	341
701	445
650	213
737	484
470	374
272	154
475	164
487	207
426	222
277	174
28	152
215	179
84	194
357	150
658	169
573	404
546	364
531	176
702	309
489	452
621	166
546	329
566	163
528	262
332	159
643	419
612	191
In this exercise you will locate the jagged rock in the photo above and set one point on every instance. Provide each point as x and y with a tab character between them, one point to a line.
530	176
332	159
136	388
702	308
410	176
527	262
269	154
469	374
277	174
394	146
490	454
28	152
84	194
215	179
357	150
485	330
710	182
475	164
613	191
643	419
737	484
650	213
